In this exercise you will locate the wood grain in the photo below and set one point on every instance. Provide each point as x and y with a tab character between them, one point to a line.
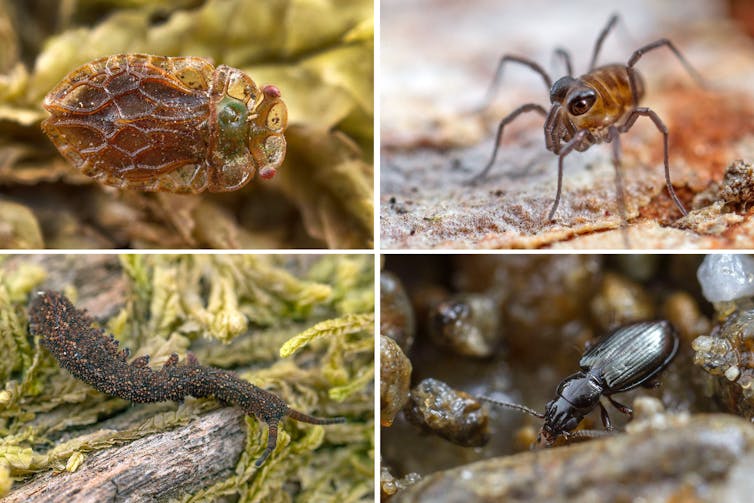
157	467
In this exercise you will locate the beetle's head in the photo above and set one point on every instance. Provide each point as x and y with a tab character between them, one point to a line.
560	417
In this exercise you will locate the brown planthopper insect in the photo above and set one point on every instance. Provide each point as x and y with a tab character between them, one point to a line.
169	124
596	107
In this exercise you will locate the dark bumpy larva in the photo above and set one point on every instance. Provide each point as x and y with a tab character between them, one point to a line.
95	358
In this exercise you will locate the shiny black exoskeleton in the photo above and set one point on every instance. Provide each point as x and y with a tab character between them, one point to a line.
628	357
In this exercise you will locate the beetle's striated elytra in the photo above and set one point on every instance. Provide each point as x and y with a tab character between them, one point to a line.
170	124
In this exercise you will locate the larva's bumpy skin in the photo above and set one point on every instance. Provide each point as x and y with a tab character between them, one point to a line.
95	358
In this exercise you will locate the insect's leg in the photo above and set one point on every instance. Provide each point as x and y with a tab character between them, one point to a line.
663	42
623	408
492	91
614	137
566	57
567	148
598	45
646	112
605	418
529	107
272	440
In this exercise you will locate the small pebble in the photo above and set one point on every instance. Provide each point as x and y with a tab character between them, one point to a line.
726	277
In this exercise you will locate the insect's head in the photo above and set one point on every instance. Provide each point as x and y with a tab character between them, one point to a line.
572	94
560	417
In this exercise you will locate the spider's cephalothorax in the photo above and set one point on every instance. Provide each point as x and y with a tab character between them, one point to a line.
593	108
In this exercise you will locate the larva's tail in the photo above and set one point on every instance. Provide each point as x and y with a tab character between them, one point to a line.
305	418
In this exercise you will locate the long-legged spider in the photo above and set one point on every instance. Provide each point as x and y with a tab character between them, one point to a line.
594	108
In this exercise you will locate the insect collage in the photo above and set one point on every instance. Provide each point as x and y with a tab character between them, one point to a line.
282	250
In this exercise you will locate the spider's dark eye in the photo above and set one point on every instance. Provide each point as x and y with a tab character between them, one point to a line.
581	102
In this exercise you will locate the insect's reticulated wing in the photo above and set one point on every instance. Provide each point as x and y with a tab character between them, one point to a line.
135	121
632	354
246	130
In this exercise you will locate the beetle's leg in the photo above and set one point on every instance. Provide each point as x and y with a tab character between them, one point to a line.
567	148
601	38
529	107
623	408
614	137
566	57
646	112
605	418
492	91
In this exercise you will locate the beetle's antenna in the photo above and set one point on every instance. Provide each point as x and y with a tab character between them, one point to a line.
589	434
514	406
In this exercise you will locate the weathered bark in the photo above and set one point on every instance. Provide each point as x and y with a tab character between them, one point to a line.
156	467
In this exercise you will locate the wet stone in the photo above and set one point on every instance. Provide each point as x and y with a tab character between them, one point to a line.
390	485
651	465
727	276
467	324
395	380
727	354
453	415
620	301
396	313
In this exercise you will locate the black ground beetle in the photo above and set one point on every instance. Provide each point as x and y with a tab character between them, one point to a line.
628	357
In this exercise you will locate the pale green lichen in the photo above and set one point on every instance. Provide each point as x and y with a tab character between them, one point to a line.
255	305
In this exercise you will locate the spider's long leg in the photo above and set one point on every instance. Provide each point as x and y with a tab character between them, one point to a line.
529	107
566	57
598	45
492	91
663	42
567	148
614	137
646	112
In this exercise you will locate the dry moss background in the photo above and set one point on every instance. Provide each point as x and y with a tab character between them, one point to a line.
320	54
300	326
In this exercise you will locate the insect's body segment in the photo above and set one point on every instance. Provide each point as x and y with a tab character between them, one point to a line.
172	124
96	358
594	108
628	357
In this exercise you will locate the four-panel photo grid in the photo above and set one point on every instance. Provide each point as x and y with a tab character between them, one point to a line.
348	251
